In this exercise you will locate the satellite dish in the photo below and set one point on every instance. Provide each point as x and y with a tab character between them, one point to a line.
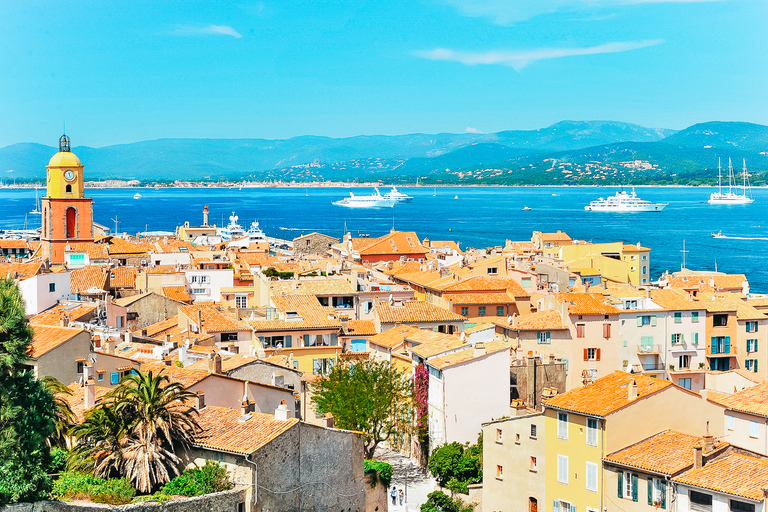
509	319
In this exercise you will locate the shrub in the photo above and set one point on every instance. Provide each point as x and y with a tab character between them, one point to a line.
441	501
382	469
456	465
82	486
58	460
193	482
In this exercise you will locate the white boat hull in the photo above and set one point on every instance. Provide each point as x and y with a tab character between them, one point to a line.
361	204
729	199
657	207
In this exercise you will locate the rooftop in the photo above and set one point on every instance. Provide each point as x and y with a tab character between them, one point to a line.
414	311
46	338
735	474
587	304
227	430
753	400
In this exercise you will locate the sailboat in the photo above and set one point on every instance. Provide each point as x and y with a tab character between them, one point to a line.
731	197
37	210
434	192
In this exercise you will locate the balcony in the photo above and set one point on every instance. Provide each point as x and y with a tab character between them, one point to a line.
649	349
689	369
653	368
731	353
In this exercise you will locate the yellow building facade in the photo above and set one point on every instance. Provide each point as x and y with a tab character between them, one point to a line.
616	260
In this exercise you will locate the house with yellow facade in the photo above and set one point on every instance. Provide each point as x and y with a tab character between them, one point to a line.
585	424
617	261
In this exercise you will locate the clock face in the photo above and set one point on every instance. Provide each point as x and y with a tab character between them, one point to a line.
69	175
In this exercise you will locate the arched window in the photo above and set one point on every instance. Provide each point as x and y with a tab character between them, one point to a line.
71	222
69	189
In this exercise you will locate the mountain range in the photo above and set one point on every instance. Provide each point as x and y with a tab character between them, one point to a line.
568	152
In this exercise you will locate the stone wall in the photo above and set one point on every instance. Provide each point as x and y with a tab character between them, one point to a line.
531	379
313	243
226	501
375	497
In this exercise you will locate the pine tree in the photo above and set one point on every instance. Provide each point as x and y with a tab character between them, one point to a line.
27	411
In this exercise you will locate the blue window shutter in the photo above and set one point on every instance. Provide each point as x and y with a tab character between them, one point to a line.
114	378
714	344
754	345
639	321
634	486
556	506
334	339
306	340
650	491
261	340
663	492
754	366
727	346
749	345
573	507
621	484
288	340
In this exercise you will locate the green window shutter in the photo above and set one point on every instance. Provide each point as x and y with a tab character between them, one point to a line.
727	345
749	345
696	338
663	492
754	365
634	486
548	338
714	344
639	321
555	506
621	484
653	321
650	491
682	338
754	345
316	366
573	507
288	341
672	340
306	340
334	339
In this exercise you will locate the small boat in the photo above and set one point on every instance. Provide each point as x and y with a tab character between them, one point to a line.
623	202
370	201
137	196
720	234
526	209
455	197
731	197
434	192
37	210
398	196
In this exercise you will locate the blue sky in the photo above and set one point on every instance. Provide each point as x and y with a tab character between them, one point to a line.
119	72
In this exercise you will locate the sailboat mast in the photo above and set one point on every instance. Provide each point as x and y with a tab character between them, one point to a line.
719	178
730	175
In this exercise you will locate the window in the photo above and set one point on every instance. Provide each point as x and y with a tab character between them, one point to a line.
677	338
481	311
721	345
525	282
493	271
606	330
80	367
275	341
628	485
322	366
751	326
751	345
700	501
678	317
740	506
114	378
562	425
684	383
591	431
657	492
580	330
517	438
695	338
684	362
499	435
434	372
544	337
533	431
730	422
229	336
644	270
205	279
241	301
591	354
499	310
499	472
100	378
630	304
720	364
753	429
532	466
198	291
719	321
591	477
51	287
695	317
644	320
562	469
464	311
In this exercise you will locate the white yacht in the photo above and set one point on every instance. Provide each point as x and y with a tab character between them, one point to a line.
623	202
731	197
398	196
137	196
371	201
233	229
255	234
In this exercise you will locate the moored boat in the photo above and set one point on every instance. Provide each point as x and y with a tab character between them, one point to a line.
624	202
397	196
375	200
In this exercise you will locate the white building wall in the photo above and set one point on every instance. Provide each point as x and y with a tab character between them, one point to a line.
738	431
169	258
720	502
37	294
206	285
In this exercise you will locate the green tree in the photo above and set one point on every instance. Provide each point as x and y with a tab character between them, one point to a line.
456	465
371	396
136	431
26	407
64	415
439	501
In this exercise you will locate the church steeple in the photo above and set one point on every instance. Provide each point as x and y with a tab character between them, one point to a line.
64	143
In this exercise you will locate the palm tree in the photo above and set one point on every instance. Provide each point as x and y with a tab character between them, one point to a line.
64	415
136	430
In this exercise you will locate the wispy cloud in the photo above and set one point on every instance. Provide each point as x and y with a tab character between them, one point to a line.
519	59
504	12
472	130
219	30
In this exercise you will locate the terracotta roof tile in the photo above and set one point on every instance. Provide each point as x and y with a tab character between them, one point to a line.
123	277
46	338
667	452
119	246
13	244
709	282
460	299
20	270
94	251
184	376
361	328
179	293
607	394
399	242
215	318
753	400
312	287
395	336
74	312
466	355
587	304
735	474
415	311
76	400
90	276
673	300
547	320
555	237
228	363
222	429
160	327
431	345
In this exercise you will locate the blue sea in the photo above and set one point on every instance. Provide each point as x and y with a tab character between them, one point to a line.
480	217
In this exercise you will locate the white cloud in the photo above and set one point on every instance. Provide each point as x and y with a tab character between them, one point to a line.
504	12
519	59
221	30
472	130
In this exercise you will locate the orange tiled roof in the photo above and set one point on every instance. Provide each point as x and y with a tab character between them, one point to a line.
709	282
162	269
228	363
461	299
667	452
309	315
312	287
415	311
487	284
430	345
607	394
547	320
94	251
160	327
555	237
123	277
445	244
735	474
179	293
215	318
184	376
46	338
753	400
119	246
90	276
74	312
587	304
20	270
673	299
76	400
13	244
466	355
394	336
361	328
223	429
399	242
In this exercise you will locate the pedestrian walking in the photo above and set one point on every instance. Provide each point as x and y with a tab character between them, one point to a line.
401	495
394	495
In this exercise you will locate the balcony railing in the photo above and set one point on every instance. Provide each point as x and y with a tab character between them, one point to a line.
732	352
649	349
656	367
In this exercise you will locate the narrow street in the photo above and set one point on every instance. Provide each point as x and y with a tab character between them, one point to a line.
406	475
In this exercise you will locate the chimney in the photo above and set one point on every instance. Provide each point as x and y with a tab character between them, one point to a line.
167	360
551	358
282	413
708	443
245	408
698	460
214	363
328	420
110	345
128	336
278	379
245	390
200	400
183	352
205	215
89	394
344	323
479	349
632	390
144	332
167	338
199	321
586	286
519	407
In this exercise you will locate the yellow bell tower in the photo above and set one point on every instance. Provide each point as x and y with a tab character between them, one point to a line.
67	213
